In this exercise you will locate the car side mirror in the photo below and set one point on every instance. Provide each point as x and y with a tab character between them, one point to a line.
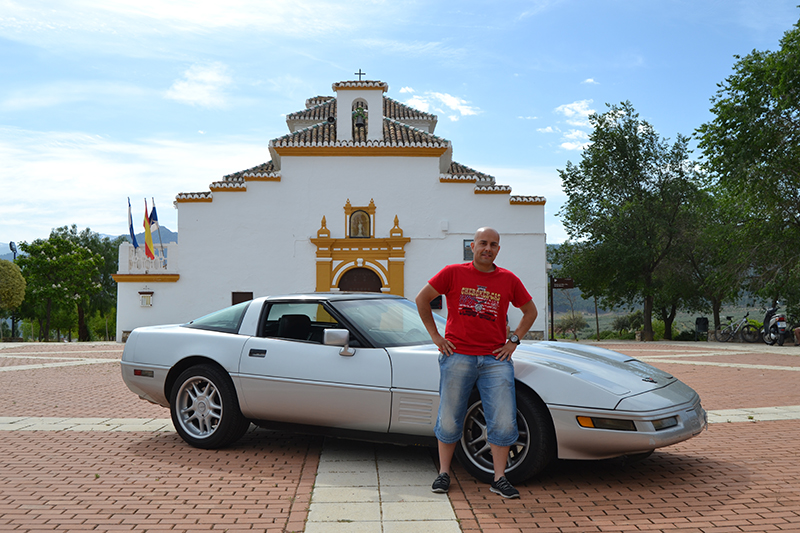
338	337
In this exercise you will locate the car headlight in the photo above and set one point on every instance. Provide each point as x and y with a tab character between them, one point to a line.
665	423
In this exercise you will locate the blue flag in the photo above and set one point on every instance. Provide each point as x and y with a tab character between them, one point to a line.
130	226
153	217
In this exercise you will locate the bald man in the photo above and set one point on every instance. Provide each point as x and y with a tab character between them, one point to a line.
476	352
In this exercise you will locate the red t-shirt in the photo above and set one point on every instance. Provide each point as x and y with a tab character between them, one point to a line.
477	303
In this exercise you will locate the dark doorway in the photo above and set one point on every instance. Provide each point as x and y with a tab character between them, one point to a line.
360	280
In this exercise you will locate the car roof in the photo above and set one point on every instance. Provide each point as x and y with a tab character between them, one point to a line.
334	296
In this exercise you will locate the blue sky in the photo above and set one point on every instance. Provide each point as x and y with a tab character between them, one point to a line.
101	100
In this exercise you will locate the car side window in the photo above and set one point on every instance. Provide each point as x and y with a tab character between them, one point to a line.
298	321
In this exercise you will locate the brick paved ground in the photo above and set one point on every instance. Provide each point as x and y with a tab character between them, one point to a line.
98	481
734	477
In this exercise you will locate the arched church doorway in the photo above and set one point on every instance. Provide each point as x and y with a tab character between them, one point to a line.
360	280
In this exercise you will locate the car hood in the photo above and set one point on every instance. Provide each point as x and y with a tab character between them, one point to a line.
610	375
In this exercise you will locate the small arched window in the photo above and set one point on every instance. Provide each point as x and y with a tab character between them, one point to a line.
359	225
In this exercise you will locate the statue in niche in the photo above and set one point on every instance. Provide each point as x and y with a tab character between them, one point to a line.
359	225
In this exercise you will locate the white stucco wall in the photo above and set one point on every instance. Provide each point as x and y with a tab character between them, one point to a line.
259	240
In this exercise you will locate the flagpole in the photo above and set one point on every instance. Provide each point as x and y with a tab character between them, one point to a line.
159	230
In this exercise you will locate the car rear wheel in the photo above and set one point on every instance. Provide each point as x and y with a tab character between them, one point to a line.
532	452
205	409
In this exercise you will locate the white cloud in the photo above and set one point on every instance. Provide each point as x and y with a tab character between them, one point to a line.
420	103
548	129
528	118
443	104
406	90
155	16
590	81
577	113
538	6
535	181
574	145
576	134
86	179
201	85
58	93
422	49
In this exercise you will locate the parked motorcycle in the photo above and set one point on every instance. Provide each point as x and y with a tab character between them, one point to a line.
774	329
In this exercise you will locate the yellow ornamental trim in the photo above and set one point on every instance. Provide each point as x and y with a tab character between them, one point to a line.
262	177
145	278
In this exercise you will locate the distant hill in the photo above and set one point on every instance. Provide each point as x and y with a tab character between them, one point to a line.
5	252
167	237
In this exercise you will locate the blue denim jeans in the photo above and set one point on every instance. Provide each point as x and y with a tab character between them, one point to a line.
458	374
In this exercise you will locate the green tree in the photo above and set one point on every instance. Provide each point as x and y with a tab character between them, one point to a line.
719	253
625	208
752	156
572	323
104	300
12	286
59	273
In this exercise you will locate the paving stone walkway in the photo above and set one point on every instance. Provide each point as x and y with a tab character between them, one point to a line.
78	452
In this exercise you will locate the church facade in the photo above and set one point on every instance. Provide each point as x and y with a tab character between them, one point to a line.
360	195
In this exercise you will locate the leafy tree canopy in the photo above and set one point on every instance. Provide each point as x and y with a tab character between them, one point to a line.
752	157
12	286
752	145
60	273
625	210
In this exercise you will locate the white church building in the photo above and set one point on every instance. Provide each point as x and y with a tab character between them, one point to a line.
360	195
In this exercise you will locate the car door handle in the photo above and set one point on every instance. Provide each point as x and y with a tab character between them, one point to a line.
257	353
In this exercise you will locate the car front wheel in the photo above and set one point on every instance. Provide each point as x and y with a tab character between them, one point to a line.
204	408
532	452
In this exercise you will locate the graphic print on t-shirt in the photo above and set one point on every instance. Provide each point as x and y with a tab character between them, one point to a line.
479	303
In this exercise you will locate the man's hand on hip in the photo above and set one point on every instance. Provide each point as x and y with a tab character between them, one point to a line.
505	352
444	345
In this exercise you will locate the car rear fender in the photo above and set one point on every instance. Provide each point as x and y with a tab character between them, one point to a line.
189	362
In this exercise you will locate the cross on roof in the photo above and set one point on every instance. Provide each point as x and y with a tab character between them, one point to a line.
359	74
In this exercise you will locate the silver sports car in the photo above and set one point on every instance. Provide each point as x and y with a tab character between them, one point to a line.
363	366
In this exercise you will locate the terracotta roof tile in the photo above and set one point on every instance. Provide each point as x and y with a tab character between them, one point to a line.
394	134
364	83
325	106
317	100
189	196
459	172
399	111
319	112
264	169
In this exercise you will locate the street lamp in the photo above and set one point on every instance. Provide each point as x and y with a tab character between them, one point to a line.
13	314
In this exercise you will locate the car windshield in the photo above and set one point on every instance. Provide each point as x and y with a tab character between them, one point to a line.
225	320
388	322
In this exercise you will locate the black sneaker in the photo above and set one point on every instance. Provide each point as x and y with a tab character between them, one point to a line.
441	484
504	488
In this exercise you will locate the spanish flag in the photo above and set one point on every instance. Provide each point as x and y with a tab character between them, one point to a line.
148	237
